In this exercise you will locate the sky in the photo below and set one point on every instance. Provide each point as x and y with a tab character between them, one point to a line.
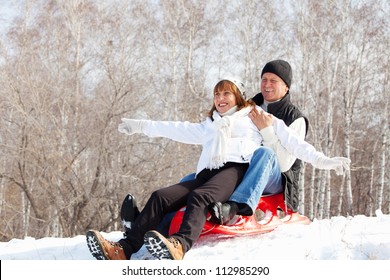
358	246
8	9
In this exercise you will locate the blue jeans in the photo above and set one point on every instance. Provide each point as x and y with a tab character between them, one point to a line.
262	177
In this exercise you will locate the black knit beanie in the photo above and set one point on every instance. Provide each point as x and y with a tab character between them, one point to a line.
280	68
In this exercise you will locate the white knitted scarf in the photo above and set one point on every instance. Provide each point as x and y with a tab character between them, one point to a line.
222	126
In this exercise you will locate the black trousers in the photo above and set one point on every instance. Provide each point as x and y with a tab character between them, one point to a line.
209	186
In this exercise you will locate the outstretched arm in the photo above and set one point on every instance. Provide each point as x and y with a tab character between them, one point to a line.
308	153
276	131
184	132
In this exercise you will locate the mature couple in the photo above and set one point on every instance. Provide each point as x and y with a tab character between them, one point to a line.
249	148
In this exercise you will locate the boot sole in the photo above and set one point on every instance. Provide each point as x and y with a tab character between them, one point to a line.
156	246
94	246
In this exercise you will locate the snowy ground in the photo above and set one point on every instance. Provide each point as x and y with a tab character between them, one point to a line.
339	238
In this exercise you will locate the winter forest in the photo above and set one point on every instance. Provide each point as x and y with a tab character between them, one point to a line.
71	69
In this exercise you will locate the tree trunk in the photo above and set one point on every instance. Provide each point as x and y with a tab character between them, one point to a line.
312	188
382	169
302	190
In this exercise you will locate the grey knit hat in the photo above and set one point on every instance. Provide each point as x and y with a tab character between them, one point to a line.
239	84
280	68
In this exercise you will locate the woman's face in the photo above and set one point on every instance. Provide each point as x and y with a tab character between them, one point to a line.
224	100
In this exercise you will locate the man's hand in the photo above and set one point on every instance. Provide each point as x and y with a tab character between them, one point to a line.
261	118
339	164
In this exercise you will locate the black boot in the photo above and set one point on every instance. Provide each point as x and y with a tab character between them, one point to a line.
222	213
129	212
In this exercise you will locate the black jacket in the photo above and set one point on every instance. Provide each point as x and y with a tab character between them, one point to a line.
286	111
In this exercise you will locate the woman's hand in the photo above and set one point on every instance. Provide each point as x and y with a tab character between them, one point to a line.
130	126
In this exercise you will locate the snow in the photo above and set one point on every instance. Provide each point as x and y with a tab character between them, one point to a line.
338	238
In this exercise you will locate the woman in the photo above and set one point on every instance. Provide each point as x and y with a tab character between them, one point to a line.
229	139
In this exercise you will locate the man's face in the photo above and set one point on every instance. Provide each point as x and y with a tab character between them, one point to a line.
273	87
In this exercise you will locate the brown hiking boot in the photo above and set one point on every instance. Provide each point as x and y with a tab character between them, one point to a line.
103	249
163	248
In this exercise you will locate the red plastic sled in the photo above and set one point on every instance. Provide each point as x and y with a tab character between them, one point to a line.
272	208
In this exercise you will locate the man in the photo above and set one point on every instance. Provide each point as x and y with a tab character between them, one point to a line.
272	169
